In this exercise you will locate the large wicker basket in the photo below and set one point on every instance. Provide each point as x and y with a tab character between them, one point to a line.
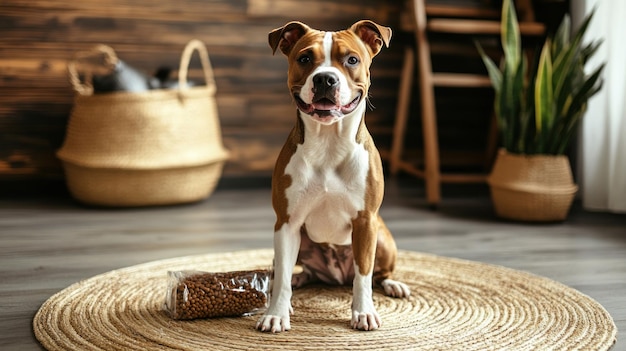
537	188
155	147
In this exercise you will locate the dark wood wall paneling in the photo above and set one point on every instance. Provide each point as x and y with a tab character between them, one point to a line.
38	37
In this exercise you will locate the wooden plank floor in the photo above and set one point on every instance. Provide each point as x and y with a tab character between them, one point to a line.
50	242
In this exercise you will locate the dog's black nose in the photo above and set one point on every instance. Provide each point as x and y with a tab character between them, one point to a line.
325	86
325	80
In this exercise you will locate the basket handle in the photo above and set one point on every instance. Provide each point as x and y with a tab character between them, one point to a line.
195	45
86	87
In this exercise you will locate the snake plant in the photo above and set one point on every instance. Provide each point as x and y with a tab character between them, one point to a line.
538	109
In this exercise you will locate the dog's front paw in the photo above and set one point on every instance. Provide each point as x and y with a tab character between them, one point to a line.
395	288
365	320
273	323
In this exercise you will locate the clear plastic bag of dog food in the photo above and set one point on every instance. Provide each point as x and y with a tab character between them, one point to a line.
196	294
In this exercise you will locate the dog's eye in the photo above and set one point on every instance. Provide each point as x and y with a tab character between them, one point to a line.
304	59
352	60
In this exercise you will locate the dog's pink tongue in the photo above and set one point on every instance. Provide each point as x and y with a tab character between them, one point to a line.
325	105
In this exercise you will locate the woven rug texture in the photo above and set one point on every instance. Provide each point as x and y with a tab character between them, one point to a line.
455	305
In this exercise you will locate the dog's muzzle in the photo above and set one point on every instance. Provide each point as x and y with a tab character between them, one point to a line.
326	102
325	86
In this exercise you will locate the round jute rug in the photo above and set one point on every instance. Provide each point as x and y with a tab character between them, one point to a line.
455	305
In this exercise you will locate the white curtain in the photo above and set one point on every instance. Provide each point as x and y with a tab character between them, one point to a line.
602	142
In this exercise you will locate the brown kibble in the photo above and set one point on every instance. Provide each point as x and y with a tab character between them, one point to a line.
206	295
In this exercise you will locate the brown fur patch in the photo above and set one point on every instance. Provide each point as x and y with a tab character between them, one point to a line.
280	180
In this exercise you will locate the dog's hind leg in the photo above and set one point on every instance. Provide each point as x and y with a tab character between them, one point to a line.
386	251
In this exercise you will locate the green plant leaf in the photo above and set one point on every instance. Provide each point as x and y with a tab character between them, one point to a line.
505	108
540	115
518	98
492	69
590	87
568	132
580	32
544	112
575	111
526	115
562	36
589	50
564	64
510	36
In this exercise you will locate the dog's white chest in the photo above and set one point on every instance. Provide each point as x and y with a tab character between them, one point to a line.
328	175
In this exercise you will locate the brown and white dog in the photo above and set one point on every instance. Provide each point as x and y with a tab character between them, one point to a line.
328	181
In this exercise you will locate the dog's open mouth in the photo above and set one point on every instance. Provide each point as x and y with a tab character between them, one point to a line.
326	107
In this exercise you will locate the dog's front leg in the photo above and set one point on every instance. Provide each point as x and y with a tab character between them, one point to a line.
286	246
364	315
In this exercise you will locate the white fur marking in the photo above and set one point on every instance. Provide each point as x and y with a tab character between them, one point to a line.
345	94
328	45
328	173
286	245
364	315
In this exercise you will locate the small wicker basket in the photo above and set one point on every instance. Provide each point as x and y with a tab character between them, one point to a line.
156	147
537	188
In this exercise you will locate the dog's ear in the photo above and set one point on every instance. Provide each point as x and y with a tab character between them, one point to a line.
286	36
372	34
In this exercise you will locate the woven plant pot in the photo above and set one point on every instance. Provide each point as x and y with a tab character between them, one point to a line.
157	147
535	188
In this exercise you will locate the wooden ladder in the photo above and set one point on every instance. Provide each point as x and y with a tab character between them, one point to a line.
446	19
